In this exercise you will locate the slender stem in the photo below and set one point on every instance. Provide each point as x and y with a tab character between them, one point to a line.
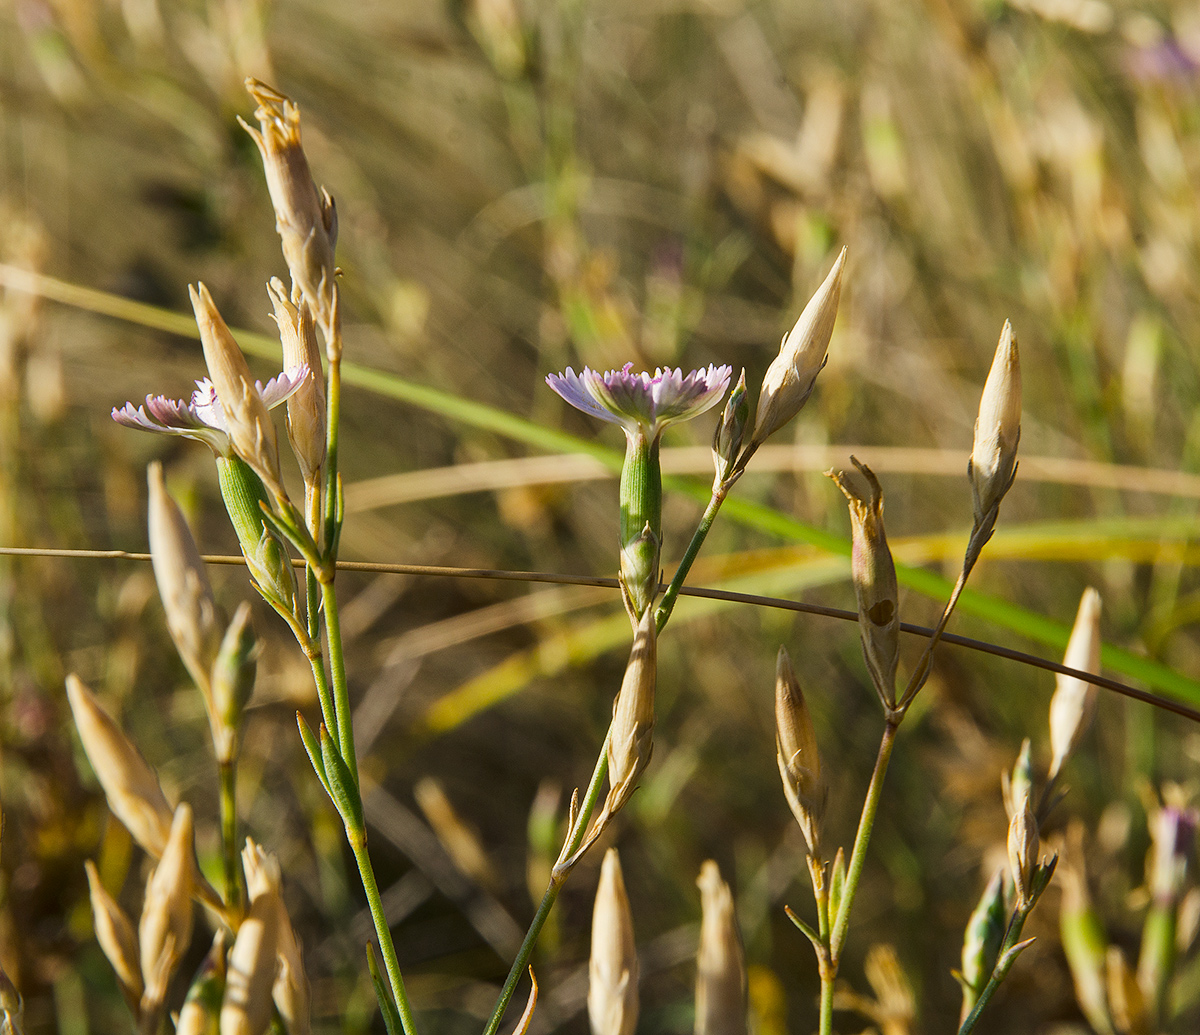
667	605
1004	961
387	948
921	672
558	877
227	773
861	840
333	402
337	670
826	1003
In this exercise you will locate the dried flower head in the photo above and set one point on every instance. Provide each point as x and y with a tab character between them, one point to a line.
874	575
183	585
305	216
797	755
720	964
130	785
613	969
993	463
792	374
165	929
642	403
306	407
248	1003
1074	702
631	741
114	932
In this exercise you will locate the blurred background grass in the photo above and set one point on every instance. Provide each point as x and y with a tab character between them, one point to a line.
523	184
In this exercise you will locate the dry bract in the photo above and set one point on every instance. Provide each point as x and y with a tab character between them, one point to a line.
613	968
248	1003
306	407
1074	701
630	742
165	929
1023	852
797	755
114	932
720	965
291	991
998	428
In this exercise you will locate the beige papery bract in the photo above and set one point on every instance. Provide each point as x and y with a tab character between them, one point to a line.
720	963
797	755
613	967
631	740
291	990
306	406
117	938
1074	702
993	463
247	1006
165	929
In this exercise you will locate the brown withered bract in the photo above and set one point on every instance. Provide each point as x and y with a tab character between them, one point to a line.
797	755
631	741
305	407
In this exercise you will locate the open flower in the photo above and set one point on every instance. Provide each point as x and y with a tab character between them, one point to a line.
641	402
203	417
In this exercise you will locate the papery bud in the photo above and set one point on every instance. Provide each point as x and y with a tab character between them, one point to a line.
720	965
266	559
183	585
114	932
305	216
306	407
1018	788
797	755
201	1011
130	785
250	428
248	1004
790	377
12	1009
874	575
290	991
630	742
165	929
1023	854
1084	941
982	939
1074	702
233	681
613	969
730	432
993	462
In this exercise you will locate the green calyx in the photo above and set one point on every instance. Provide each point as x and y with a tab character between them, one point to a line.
641	520
244	495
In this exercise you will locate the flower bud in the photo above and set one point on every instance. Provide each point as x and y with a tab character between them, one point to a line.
1018	788
130	785
727	439
613	969
165	929
720	966
630	741
993	462
1074	700
1023	853
982	940
797	755
790	377
183	584
306	407
267	561
305	216
232	682
250	428
116	936
874	575
201	1011
248	1004
639	571
291	991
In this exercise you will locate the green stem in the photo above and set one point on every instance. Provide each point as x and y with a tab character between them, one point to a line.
227	773
333	401
342	715
861	840
826	1003
667	605
388	949
558	877
1004	961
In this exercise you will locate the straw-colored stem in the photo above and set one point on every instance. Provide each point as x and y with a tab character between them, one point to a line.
558	877
358	843
861	840
667	605
227	774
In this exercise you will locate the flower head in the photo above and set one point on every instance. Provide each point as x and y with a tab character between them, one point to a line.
642	401
203	417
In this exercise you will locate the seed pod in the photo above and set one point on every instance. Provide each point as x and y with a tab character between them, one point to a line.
630	742
251	430
720	965
790	377
165	929
130	785
1074	702
797	755
116	936
1023	853
613	969
233	682
993	462
306	407
874	575
183	585
305	216
247	1006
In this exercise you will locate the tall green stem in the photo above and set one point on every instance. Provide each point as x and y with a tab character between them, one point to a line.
826	1003
337	670
863	838
227	773
1009	952
667	605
